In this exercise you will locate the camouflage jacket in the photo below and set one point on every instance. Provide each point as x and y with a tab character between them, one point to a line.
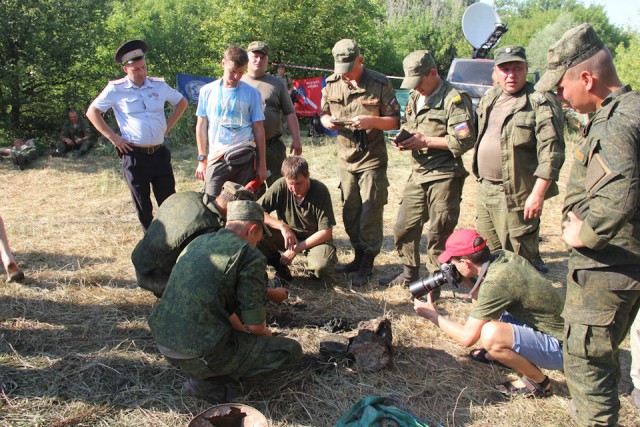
218	274
180	219
603	185
72	132
374	96
532	143
512	284
447	113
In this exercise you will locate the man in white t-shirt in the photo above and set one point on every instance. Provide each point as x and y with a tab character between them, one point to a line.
230	119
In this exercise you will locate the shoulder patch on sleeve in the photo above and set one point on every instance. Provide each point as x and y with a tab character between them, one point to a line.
457	99
156	79
119	81
462	130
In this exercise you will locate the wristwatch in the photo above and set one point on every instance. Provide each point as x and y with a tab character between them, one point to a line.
201	157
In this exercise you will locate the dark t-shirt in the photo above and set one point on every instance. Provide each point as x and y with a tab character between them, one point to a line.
314	213
512	284
275	101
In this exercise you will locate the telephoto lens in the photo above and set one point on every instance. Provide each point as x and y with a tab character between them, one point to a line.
447	274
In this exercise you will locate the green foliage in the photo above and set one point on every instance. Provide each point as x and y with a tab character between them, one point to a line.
59	53
526	18
545	37
627	63
436	29
44	41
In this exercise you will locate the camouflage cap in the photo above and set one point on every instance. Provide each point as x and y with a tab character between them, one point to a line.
246	210
232	191
258	46
576	45
131	51
416	65
509	54
345	53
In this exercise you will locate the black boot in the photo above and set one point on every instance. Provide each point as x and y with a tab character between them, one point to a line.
408	275
365	271
353	266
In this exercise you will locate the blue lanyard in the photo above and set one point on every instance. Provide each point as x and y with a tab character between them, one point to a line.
233	98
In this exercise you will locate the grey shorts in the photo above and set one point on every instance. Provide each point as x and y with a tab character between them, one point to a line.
537	347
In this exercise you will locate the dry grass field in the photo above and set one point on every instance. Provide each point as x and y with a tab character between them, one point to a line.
75	348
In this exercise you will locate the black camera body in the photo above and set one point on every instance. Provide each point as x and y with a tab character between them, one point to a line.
447	274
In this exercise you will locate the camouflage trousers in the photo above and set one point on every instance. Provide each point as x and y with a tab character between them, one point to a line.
598	315
25	155
244	357
364	195
320	259
436	203
82	147
505	229
276	152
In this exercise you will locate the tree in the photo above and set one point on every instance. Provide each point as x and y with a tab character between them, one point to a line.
627	63
545	37
44	39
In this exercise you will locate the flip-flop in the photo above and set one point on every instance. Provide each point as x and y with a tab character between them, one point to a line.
480	355
530	389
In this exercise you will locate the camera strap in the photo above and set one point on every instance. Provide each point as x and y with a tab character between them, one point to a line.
483	272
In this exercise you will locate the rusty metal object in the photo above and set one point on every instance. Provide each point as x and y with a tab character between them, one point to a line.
230	415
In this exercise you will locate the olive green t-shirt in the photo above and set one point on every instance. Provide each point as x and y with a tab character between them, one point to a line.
512	284
314	213
276	102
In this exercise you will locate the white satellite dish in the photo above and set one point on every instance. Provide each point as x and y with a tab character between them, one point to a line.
478	23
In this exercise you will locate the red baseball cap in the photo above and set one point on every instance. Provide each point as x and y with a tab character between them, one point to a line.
460	243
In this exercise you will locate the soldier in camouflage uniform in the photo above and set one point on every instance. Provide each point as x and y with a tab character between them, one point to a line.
75	135
360	104
305	222
22	153
211	321
440	118
517	158
601	221
181	218
282	75
516	313
277	104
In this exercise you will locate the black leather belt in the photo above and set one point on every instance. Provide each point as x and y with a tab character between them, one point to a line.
274	139
147	150
488	181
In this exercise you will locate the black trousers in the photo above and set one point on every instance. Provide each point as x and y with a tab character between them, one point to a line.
141	172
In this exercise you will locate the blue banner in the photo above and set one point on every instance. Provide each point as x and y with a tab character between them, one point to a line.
189	86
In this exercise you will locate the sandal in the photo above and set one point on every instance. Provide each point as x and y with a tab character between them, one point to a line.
480	355
14	274
530	389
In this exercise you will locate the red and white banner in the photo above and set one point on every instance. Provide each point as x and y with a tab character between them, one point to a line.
309	96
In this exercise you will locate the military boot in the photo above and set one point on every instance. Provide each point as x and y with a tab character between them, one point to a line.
353	266
408	275
365	271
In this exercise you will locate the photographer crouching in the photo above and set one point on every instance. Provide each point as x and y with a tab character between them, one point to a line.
516	312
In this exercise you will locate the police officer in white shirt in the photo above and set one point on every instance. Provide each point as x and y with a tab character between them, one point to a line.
138	103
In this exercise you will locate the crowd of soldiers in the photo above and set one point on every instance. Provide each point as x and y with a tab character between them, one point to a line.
205	254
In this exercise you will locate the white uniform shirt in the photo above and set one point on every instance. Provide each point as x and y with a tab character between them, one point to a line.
139	110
